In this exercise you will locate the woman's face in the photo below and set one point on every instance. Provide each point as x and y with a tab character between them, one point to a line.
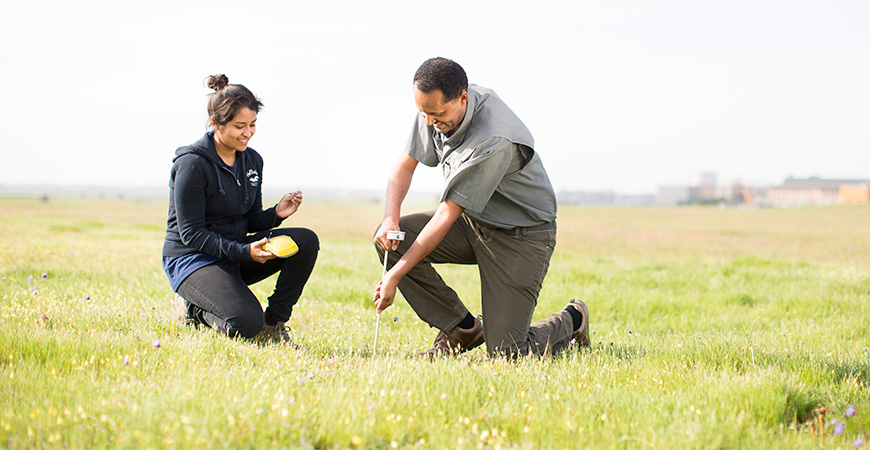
235	134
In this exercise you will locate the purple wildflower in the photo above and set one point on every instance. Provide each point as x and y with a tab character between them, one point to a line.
44	275
29	277
4	278
443	396
839	429
126	360
573	341
156	343
87	297
850	411
396	319
858	442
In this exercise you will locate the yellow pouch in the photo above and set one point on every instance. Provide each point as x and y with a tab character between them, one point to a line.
281	246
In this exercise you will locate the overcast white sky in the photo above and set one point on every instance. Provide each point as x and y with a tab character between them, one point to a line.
619	94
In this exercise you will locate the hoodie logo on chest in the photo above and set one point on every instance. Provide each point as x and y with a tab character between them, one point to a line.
253	177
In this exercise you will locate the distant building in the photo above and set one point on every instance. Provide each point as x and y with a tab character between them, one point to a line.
635	200
817	191
603	198
703	191
673	195
586	197
748	195
854	194
706	179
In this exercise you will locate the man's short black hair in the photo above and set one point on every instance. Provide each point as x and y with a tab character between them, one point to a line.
441	74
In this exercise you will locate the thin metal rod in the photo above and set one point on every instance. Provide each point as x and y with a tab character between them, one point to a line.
378	323
377	328
385	265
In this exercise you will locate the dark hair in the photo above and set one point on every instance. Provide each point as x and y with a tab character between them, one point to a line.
441	74
228	99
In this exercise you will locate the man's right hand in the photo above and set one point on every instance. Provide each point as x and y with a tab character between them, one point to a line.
397	188
381	236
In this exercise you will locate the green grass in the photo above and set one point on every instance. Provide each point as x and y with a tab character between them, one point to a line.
712	329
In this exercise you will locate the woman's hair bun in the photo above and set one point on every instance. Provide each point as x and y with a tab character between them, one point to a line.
227	99
218	82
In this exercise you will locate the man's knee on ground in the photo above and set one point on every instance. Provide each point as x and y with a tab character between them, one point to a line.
510	348
503	351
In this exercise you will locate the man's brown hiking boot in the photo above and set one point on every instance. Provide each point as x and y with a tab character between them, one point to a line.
457	341
581	336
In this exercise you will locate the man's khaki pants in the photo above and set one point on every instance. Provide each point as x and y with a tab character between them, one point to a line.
512	269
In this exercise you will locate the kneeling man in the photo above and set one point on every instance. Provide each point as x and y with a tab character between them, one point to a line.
497	210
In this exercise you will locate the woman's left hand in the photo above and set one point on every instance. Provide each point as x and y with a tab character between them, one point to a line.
288	204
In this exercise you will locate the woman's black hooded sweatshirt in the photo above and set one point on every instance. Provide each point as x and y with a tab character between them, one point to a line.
211	209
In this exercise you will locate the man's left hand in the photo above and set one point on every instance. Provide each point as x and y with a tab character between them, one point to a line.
385	294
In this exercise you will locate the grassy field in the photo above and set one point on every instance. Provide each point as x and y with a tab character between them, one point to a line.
712	329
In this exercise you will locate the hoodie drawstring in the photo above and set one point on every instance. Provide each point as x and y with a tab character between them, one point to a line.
245	176
217	172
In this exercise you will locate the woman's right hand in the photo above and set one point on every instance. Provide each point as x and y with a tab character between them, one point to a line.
258	254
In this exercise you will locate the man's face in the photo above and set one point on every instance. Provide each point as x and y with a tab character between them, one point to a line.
444	116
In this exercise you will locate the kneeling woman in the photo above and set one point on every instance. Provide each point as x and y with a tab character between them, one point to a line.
215	201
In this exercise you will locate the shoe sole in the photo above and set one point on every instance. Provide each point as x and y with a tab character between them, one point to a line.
180	311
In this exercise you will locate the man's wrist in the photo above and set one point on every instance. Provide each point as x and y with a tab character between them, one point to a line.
393	276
